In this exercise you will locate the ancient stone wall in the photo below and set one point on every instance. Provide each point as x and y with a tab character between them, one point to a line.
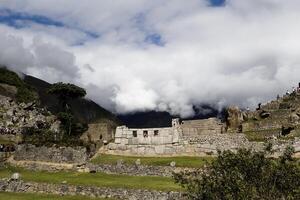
176	140
155	136
65	189
203	126
99	133
201	145
51	154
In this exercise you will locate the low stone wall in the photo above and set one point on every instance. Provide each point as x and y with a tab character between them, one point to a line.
136	170
51	154
64	189
41	166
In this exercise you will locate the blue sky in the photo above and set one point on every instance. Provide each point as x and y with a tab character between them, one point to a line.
217	2
21	20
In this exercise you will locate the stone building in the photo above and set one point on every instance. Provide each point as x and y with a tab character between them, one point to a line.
148	136
191	137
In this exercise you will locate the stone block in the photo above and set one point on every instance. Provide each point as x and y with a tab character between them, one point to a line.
118	140
167	140
141	150
160	149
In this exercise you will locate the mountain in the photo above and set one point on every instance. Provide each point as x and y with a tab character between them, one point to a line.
31	88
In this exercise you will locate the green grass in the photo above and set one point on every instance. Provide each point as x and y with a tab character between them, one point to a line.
2	141
183	161
30	196
97	179
263	135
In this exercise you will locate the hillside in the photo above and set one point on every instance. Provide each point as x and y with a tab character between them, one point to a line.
30	88
279	118
86	111
89	122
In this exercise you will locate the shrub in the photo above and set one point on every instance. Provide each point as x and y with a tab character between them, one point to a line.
244	175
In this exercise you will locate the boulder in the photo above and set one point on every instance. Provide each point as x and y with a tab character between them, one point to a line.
138	162
264	114
173	164
15	176
234	119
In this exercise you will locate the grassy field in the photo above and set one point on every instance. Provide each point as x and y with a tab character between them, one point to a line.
183	161
29	196
97	179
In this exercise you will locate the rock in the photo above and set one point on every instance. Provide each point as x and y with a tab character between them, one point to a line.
84	170
264	114
138	162
55	127
234	118
15	176
120	162
173	164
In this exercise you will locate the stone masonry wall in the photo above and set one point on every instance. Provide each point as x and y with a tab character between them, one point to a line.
64	189
199	145
51	154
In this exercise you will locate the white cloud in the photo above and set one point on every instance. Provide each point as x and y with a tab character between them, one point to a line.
243	53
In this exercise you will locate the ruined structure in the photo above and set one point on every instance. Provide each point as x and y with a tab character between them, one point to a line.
277	121
192	137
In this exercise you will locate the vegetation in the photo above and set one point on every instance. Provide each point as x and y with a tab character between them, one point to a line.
30	196
182	161
245	175
66	92
96	179
25	92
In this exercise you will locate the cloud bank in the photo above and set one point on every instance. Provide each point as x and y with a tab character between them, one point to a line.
135	55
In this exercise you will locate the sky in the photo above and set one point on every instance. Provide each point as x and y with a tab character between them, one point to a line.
139	55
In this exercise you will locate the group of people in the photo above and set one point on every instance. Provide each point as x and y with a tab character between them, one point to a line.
7	131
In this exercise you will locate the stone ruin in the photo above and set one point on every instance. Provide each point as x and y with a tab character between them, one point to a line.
191	137
273	122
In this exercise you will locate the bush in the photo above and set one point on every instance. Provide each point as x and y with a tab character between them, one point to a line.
244	175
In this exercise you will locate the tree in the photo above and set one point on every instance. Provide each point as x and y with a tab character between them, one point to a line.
66	92
244	175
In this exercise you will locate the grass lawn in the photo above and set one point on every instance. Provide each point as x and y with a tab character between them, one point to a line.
183	161
30	196
97	179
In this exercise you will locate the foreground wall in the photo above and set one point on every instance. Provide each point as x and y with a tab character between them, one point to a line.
51	154
64	189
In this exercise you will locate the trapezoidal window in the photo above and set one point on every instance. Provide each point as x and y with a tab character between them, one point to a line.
145	133
155	132
134	133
